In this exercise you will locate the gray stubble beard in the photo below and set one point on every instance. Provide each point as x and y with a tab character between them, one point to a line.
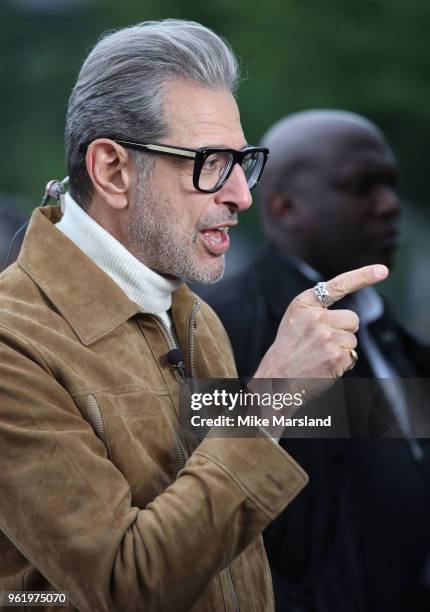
152	237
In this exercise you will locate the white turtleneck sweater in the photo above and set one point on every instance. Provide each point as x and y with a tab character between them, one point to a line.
151	291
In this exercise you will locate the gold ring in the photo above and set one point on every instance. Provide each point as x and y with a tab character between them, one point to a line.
354	358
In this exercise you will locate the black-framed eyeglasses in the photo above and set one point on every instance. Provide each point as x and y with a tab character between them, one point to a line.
212	165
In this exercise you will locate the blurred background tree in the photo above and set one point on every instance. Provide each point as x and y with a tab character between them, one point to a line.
368	56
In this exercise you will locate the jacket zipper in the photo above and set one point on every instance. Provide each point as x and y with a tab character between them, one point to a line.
192	373
190	336
172	344
180	451
96	419
236	606
168	334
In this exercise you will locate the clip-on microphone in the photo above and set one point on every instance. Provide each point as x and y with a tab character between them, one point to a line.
176	359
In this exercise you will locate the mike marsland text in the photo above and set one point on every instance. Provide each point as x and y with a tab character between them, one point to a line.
276	420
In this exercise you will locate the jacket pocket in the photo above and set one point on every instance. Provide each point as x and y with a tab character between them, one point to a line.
140	433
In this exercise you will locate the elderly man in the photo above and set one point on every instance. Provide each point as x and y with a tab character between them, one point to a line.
358	537
102	494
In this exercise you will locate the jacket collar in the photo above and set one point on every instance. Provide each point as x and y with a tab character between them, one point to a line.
86	297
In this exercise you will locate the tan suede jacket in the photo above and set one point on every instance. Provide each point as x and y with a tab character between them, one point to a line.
101	494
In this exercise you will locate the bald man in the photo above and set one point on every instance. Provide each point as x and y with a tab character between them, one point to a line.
358	539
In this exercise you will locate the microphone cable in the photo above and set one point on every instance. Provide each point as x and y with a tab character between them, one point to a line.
53	190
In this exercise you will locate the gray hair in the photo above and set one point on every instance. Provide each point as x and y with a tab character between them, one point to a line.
119	90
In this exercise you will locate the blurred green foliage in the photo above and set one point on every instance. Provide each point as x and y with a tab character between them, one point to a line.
368	56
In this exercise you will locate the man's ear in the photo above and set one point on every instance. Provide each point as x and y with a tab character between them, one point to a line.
111	170
283	209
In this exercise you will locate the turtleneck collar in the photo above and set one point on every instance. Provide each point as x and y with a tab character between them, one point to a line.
151	291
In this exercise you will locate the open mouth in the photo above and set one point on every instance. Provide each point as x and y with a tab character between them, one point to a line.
216	239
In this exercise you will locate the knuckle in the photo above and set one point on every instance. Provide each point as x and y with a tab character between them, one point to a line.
337	356
327	334
322	335
340	285
333	355
290	320
343	287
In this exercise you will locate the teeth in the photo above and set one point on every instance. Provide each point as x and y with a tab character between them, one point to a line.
218	229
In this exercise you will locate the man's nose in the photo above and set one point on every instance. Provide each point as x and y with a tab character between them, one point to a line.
387	201
235	191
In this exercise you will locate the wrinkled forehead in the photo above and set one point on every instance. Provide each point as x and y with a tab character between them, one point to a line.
199	116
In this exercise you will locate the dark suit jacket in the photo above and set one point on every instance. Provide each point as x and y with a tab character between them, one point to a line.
357	538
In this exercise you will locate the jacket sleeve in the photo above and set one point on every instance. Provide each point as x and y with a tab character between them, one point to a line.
67	508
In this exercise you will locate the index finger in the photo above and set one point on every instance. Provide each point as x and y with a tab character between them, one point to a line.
348	282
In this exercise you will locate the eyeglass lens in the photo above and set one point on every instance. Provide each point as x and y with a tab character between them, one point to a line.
217	165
